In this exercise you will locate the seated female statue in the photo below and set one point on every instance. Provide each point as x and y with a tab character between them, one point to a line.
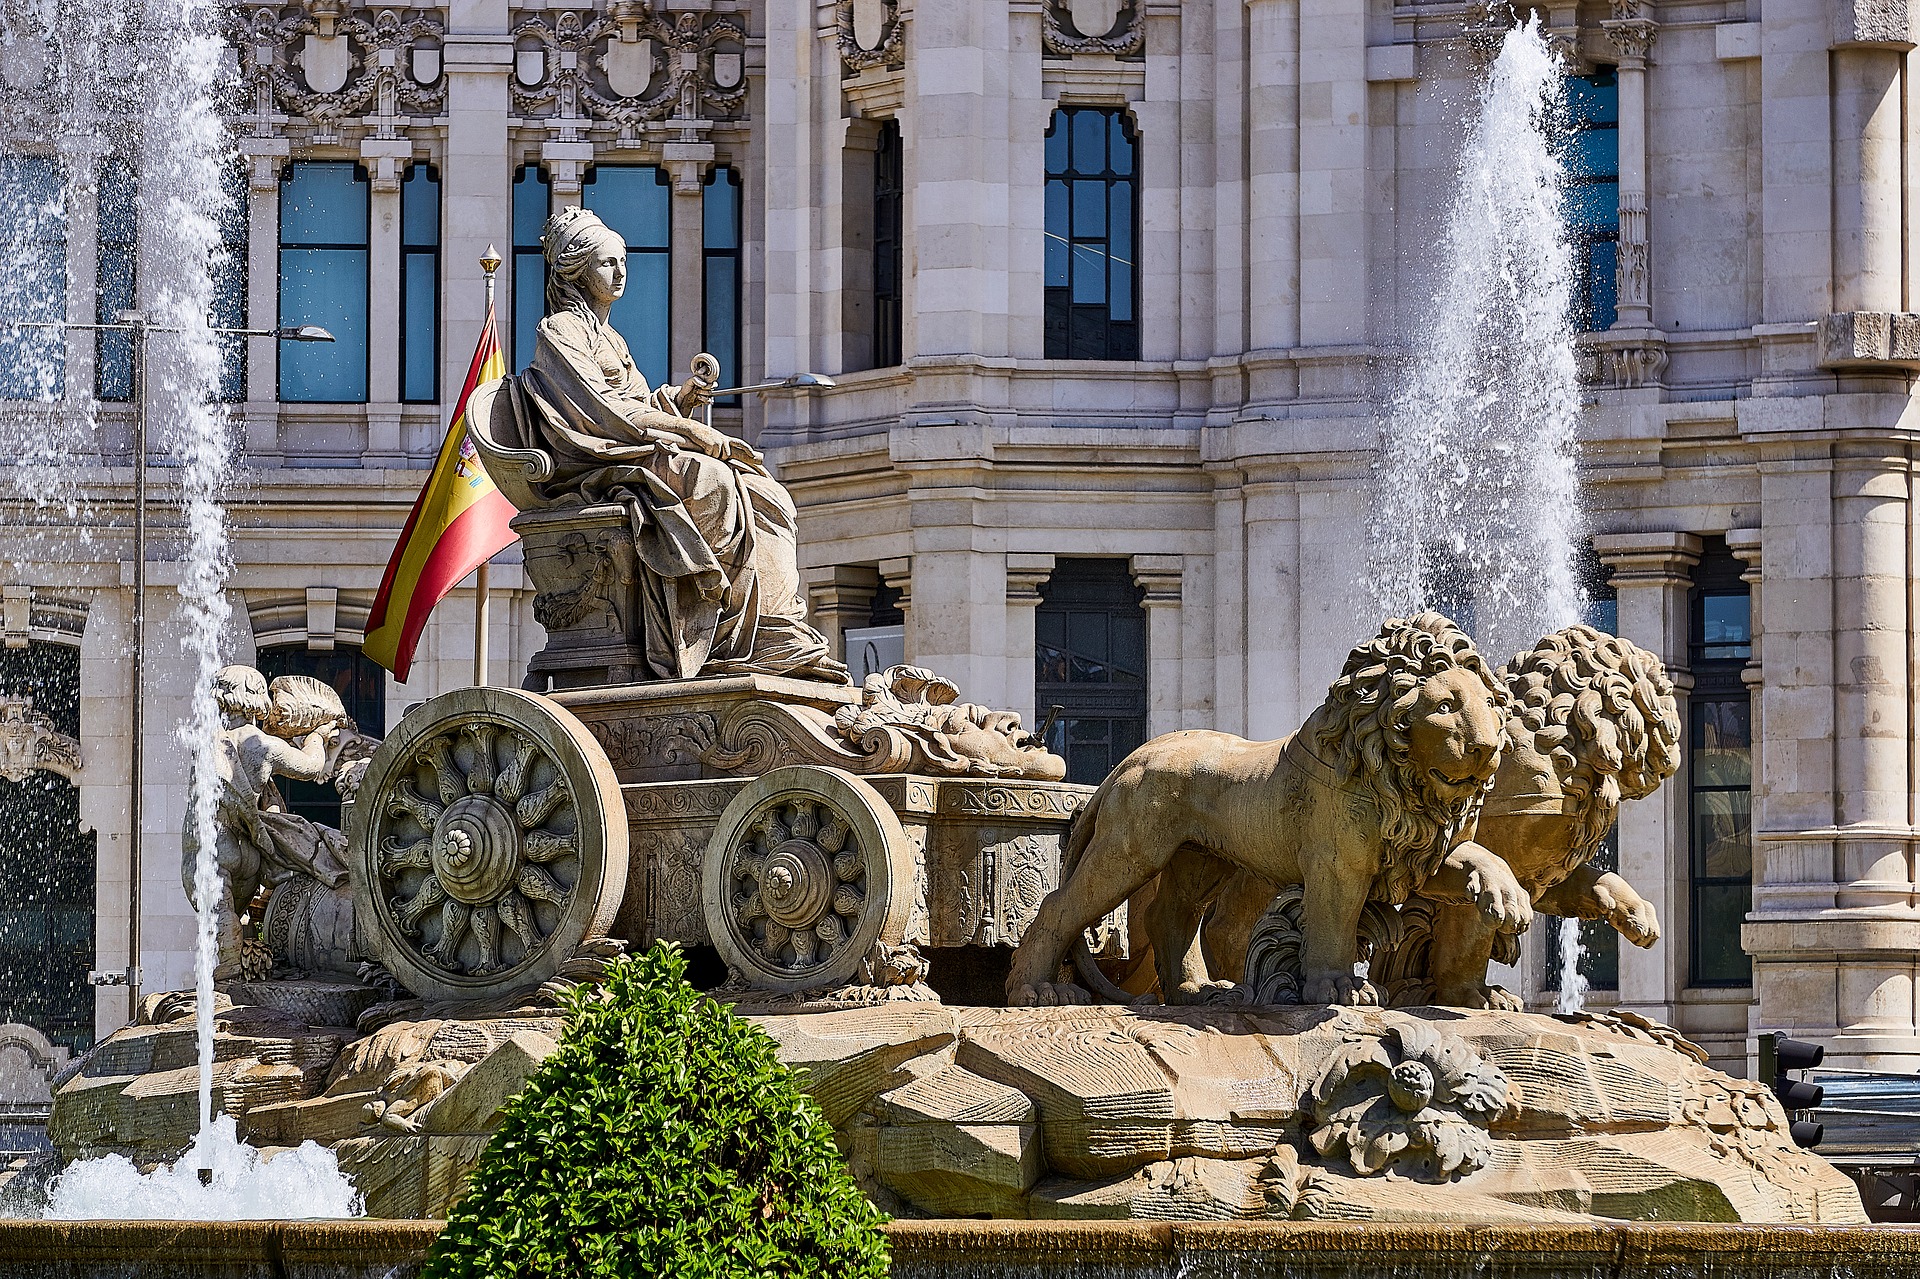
713	532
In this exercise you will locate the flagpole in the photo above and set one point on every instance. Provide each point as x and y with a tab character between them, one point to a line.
482	603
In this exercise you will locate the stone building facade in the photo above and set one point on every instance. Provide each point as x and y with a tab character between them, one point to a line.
1109	291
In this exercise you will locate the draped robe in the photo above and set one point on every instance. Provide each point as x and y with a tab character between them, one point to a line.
716	539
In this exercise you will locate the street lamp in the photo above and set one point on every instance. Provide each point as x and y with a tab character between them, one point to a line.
139	326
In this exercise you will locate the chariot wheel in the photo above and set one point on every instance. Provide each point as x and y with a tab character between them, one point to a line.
488	841
806	871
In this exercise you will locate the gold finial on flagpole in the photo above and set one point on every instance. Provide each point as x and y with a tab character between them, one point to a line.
490	262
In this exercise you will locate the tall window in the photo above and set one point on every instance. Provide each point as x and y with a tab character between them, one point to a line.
889	280
33	227
1090	659
721	206
118	279
530	201
230	286
1092	226
323	280
637	203
1592	156
1720	769
420	285
362	686
47	879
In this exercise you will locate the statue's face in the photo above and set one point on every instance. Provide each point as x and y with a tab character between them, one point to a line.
1455	731
606	277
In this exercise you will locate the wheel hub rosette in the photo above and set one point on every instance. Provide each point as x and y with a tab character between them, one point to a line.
800	884
479	848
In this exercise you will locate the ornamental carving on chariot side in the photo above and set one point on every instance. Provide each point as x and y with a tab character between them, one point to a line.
869	33
630	67
1113	27
320	61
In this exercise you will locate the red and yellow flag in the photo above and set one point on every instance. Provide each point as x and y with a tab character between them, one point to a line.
458	523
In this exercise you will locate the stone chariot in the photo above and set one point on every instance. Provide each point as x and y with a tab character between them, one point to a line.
820	837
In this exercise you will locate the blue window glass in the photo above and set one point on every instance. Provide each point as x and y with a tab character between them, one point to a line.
420	286
1590	150
1092	225
530	201
33	362
230	287
720	208
637	203
118	279
324	214
1719	763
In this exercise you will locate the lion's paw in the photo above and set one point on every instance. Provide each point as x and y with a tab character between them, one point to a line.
1475	994
1340	988
1047	994
1637	923
1209	992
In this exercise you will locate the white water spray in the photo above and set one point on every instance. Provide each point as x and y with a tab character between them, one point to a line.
1475	505
1476	501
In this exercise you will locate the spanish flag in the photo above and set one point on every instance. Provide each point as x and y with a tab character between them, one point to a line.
458	523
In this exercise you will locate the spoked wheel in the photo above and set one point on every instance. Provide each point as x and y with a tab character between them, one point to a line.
806	871
489	840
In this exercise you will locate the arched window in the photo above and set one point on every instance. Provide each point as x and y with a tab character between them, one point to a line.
1092	225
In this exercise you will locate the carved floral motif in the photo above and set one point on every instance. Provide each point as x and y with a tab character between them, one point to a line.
1414	1100
631	67
328	65
1112	27
869	33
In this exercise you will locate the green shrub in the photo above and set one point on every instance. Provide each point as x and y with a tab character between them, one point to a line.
662	1138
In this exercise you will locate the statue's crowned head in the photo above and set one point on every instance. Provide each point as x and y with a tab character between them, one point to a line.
574	239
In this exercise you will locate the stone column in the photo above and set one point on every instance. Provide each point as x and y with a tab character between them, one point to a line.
1026	574
688	163
1273	173
1650	573
1632	32
1333	173
385	159
1272	602
1159	576
266	157
1867	224
839	599
476	187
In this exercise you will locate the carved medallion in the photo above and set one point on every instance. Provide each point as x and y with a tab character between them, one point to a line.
325	61
423	65
530	66
29	741
868	32
870	19
1094	19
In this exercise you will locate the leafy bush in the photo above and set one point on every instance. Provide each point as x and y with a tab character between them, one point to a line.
662	1138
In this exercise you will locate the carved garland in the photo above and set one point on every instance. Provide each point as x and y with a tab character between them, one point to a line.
373	53
1062	36
879	20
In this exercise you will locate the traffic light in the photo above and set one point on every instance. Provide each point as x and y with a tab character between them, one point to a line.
1780	1055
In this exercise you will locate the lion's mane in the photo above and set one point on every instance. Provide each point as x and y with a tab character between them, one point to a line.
1601	709
1366	739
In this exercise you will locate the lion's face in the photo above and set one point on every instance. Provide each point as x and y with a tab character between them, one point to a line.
1455	730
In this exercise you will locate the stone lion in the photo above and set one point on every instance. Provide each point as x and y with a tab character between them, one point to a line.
1592	723
1374	796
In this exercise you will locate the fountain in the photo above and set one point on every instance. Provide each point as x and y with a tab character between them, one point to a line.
694	768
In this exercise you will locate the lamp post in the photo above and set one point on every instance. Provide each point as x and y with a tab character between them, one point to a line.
138	326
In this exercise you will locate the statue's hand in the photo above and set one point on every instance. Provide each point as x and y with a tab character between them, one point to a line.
709	441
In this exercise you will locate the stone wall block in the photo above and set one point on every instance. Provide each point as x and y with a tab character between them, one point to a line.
1865	339
1887	23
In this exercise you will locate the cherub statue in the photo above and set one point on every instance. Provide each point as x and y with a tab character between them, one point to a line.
295	730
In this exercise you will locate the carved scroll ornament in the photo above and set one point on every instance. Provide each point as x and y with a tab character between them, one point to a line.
29	741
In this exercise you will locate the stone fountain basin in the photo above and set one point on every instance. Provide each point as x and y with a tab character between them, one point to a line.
1037	1250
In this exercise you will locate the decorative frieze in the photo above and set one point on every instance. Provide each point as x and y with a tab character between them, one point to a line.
326	65
631	67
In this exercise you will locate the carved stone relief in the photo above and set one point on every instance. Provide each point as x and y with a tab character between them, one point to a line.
869	33
1113	27
327	65
630	67
29	741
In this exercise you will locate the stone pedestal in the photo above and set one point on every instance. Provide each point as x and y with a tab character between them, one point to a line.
587	579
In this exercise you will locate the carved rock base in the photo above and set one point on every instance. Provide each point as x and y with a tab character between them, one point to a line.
585	577
1167	1114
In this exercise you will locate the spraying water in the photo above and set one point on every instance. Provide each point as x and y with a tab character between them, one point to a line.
1476	502
1475	506
153	70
